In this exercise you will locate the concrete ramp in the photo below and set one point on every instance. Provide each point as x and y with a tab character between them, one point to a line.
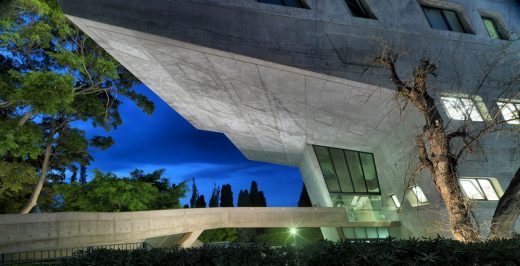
25	232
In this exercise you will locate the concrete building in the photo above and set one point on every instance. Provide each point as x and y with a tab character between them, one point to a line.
292	82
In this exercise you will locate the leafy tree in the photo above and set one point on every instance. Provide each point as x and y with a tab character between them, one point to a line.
52	75
109	193
226	196
304	200
201	202
218	235
244	199
213	201
262	202
194	194
254	198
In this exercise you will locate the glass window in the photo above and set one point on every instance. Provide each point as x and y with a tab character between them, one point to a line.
369	170
289	3
356	171
327	168
348	171
461	108
443	19
340	164
479	189
348	232
382	232
396	201
472	189
360	232
358	8
510	111
492	28
372	233
364	233
419	195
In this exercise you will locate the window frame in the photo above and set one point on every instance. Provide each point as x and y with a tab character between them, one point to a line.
368	14
396	201
416	201
301	4
482	191
464	110
358	153
502	104
444	18
495	26
381	231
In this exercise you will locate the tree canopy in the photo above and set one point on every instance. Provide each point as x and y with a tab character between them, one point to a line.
51	76
108	193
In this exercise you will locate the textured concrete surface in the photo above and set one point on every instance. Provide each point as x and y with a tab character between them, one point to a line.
20	232
275	80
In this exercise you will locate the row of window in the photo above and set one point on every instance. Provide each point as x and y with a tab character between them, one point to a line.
351	176
474	188
438	18
462	108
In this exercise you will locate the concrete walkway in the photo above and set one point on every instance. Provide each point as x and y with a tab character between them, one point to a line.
24	232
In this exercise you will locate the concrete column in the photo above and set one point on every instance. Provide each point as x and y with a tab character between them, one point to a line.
189	239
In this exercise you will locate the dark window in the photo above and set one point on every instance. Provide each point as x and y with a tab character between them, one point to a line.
443	19
290	3
348	171
358	8
492	28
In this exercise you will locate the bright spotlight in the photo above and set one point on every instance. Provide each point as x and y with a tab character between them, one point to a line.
293	231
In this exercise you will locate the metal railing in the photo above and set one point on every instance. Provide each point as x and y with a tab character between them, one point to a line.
53	256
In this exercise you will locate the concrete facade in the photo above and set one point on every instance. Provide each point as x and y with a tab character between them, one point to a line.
20	232
277	80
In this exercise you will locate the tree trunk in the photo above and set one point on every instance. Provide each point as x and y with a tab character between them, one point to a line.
507	210
447	182
38	188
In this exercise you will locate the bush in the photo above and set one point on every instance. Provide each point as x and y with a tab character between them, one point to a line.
382	252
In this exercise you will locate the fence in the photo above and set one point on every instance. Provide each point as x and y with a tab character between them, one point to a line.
53	256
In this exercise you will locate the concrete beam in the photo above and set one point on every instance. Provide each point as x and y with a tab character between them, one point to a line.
25	232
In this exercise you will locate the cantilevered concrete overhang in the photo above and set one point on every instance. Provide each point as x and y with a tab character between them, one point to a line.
276	80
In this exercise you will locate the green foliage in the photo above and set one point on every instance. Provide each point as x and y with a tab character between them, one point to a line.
51	75
384	252
20	142
218	235
108	193
226	196
16	180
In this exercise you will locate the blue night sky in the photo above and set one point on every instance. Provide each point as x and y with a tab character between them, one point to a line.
166	140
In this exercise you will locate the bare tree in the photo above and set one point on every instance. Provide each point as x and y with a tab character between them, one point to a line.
439	150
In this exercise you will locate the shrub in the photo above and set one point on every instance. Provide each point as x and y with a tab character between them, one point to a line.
381	252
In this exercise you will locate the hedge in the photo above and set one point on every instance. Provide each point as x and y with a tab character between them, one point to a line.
382	252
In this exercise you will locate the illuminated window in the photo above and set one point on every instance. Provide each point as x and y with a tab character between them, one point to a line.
443	19
419	195
459	108
396	201
289	3
365	233
492	28
510	112
479	189
358	8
